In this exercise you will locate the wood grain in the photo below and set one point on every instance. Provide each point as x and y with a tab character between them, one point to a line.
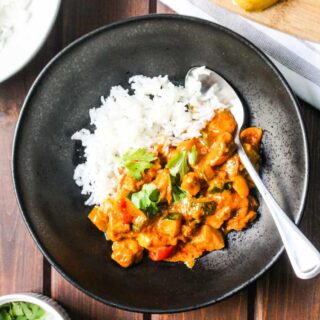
234	308
82	16
81	307
297	17
15	266
21	263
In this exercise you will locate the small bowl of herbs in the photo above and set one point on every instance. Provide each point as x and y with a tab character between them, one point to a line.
30	306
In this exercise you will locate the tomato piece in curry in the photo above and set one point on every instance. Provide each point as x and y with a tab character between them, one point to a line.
186	200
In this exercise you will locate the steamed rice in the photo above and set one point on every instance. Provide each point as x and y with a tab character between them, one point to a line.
157	112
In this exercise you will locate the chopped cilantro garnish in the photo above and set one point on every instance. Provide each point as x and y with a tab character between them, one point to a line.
136	161
178	194
179	163
147	199
208	208
226	186
173	216
22	311
192	156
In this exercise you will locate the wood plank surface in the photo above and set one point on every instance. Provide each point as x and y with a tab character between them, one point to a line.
82	16
297	17
277	295
234	308
15	266
21	263
80	306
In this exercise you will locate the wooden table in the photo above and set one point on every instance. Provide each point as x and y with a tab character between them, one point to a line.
276	295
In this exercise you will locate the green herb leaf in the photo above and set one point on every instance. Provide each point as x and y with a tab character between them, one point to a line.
208	208
204	138
178	164
147	199
136	161
17	309
226	186
22	311
192	156
4	315
173	216
138	223
26	311
178	194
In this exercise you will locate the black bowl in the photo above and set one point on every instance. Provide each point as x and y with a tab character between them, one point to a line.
44	159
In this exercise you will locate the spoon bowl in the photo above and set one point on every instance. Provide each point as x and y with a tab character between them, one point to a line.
224	91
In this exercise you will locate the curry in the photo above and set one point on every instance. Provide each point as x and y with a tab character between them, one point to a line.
178	202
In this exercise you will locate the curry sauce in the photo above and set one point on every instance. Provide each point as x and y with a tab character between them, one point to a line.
178	202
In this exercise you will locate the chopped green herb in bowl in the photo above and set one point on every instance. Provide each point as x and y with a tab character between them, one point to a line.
30	306
22	311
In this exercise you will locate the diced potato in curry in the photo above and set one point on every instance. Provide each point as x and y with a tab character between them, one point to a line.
187	198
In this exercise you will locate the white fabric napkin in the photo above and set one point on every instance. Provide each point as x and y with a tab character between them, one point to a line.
297	60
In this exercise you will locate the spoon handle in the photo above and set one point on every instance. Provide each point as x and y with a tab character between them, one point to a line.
304	257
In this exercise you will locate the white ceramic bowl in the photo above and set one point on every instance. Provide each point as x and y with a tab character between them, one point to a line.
26	41
54	311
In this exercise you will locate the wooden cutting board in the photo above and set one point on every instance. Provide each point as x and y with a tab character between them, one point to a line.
300	18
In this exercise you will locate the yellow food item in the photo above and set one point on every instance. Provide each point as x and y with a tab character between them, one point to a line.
255	5
186	200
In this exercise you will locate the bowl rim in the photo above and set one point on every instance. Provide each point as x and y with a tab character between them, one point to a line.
113	25
46	303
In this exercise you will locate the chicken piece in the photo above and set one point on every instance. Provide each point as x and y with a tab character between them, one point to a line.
189	228
169	226
126	185
232	166
240	186
208	239
223	121
252	136
191	183
219	183
99	218
221	149
218	218
163	184
126	252
190	209
242	218
152	238
116	229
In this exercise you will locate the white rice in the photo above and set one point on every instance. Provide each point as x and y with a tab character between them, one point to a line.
155	113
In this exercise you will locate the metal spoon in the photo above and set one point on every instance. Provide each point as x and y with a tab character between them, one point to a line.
304	257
